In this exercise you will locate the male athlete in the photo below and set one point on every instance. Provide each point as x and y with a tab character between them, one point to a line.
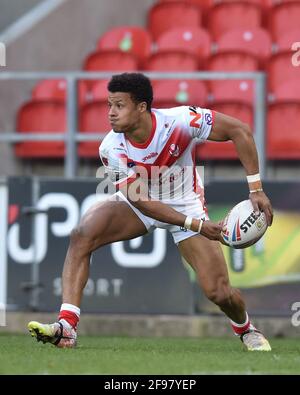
148	155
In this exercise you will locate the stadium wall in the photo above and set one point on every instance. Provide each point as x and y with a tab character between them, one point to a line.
133	277
154	325
11	10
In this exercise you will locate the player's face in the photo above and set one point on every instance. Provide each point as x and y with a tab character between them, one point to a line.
124	114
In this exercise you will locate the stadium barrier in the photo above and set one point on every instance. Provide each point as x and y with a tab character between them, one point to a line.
144	275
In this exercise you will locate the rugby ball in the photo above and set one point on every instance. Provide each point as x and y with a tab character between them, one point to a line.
241	227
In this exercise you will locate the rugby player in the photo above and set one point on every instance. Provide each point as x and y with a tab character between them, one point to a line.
149	157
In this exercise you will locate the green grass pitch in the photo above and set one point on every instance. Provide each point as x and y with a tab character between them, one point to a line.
20	354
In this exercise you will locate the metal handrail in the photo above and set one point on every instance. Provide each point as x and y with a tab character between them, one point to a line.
73	136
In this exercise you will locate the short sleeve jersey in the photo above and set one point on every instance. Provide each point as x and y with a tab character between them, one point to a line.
166	161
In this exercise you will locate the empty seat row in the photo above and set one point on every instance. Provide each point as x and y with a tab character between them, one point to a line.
279	67
182	91
283	138
278	19
191	39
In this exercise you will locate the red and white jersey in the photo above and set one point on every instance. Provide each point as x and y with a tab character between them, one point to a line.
166	161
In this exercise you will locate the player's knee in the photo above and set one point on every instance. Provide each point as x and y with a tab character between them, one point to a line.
80	237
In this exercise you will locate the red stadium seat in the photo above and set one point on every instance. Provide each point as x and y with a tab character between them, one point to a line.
255	41
284	17
231	90
284	41
168	15
110	60
50	89
57	90
204	5
227	89
93	118
227	16
129	39
179	92
41	116
96	91
193	40
225	150
281	69
288	91
172	61
283	134
233	61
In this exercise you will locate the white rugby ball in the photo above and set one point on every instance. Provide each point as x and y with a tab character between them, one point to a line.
241	226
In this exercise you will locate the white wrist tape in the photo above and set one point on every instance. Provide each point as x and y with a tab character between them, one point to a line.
200	225
256	190
188	222
253	178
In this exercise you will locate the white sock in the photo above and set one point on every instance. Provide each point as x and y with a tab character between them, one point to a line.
71	307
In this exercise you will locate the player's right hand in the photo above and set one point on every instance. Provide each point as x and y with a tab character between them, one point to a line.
211	230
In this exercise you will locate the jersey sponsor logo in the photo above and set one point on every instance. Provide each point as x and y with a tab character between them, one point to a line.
149	156
195	118
208	119
174	150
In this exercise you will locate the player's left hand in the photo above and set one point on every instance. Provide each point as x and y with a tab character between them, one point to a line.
260	202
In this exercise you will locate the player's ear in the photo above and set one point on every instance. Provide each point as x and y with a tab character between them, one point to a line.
142	106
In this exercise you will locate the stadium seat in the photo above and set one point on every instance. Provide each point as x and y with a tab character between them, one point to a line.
170	93
192	40
38	117
285	40
93	118
50	89
232	61
168	15
288	91
226	16
255	41
204	6
281	69
110	60
97	91
284	17
129	39
283	133
57	90
172	61
225	150
230	90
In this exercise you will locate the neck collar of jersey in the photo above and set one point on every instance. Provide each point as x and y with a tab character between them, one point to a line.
148	141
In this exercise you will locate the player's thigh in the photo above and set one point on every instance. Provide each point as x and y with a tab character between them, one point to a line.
110	221
207	259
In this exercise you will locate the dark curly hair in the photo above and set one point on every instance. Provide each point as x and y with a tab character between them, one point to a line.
136	84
